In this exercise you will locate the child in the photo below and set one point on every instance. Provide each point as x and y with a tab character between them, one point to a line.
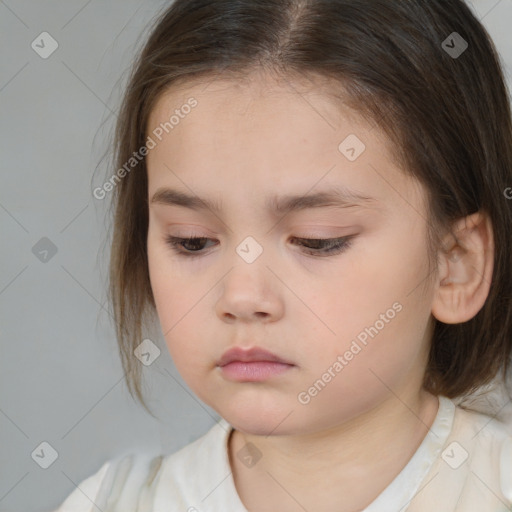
313	196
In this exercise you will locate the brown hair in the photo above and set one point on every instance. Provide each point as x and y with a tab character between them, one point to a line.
447	115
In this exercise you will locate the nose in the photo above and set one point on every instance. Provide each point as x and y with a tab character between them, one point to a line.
250	292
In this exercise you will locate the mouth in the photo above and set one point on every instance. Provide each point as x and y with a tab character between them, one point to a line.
253	365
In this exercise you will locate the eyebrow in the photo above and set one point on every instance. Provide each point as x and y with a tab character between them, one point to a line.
339	197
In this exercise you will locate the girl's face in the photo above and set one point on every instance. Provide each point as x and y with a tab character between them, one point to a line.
353	324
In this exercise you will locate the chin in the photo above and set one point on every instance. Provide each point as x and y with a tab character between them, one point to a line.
257	427
258	421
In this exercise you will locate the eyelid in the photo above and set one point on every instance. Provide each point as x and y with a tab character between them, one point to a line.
333	246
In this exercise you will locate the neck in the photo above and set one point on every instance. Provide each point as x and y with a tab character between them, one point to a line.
358	458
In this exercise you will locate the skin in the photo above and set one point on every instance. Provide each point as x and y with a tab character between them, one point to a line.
243	143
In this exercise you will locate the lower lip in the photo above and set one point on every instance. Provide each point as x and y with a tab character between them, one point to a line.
253	371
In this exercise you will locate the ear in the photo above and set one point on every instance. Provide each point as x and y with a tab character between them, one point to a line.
465	270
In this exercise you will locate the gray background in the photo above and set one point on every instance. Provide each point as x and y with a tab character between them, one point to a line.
60	377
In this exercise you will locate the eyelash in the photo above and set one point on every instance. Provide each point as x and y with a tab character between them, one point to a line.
334	247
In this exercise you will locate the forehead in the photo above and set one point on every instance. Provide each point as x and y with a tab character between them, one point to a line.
248	93
274	109
280	130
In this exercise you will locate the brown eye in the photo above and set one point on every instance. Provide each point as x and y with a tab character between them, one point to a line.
193	246
190	246
325	246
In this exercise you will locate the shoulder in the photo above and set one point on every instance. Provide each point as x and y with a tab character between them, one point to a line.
189	474
489	446
476	462
127	477
472	463
199	477
482	433
132	481
82	497
194	454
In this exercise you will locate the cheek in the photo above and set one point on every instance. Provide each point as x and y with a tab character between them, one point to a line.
375	308
177	300
169	293
350	297
170	289
369	369
163	292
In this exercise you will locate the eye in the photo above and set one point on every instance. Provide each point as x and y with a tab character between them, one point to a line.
177	244
313	246
325	246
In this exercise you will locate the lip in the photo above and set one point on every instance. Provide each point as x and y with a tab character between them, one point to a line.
252	365
254	354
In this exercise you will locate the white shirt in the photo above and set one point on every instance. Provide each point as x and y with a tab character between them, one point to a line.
464	464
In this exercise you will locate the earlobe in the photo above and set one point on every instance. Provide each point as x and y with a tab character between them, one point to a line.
465	270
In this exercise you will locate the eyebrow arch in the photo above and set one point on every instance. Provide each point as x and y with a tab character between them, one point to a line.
340	197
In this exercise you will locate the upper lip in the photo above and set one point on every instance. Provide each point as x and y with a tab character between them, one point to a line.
248	355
